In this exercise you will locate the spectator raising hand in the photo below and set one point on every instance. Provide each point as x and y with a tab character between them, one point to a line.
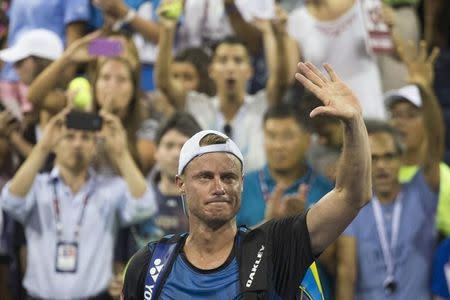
420	65
114	8
279	206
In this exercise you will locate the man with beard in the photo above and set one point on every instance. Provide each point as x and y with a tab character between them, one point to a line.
216	260
71	215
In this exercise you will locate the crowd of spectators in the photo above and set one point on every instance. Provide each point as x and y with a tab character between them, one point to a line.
76	203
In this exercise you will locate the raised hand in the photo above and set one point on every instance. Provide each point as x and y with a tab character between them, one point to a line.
114	135
8	123
420	65
274	208
263	25
78	52
280	20
115	8
55	130
295	204
337	98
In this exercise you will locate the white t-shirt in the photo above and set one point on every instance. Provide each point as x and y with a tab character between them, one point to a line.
200	22
203	20
341	43
246	127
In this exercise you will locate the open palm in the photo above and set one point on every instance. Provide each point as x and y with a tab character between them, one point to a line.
337	98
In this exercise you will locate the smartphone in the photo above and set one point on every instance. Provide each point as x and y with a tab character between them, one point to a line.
105	47
84	121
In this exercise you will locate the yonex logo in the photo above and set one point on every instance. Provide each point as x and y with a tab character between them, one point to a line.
154	271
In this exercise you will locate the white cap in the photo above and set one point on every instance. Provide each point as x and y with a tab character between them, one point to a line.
410	93
191	149
35	42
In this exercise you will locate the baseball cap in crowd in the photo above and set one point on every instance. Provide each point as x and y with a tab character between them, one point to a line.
191	149
35	42
409	93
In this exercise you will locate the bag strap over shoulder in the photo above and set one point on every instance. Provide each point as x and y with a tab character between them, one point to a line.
163	256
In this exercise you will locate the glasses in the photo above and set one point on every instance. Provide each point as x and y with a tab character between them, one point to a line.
387	157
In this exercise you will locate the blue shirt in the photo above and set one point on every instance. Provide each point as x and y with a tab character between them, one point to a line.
109	206
414	251
253	203
53	15
169	219
187	282
439	285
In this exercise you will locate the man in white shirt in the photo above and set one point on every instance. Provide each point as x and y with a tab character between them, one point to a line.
71	215
231	110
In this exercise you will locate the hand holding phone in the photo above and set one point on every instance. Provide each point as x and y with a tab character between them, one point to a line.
105	47
84	121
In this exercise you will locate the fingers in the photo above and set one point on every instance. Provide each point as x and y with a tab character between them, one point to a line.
323	111
277	193
312	73
331	72
433	56
302	191
317	72
422	55
107	103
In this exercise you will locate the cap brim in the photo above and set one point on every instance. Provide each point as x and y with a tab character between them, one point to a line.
12	55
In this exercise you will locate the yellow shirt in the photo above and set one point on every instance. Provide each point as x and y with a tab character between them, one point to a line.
443	210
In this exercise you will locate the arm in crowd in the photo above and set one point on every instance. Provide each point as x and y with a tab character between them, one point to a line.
116	142
23	179
47	81
288	53
74	31
118	10
346	258
244	30
431	11
421	73
273	88
170	87
10	128
328	218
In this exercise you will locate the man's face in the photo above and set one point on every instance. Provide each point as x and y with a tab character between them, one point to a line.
186	74
408	120
212	185
385	162
76	149
231	69
168	152
285	143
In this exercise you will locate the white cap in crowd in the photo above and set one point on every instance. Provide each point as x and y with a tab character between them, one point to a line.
35	42
409	93
191	149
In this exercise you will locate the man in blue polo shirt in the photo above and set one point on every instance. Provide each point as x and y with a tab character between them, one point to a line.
286	141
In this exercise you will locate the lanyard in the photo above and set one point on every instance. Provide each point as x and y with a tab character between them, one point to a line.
56	206
382	236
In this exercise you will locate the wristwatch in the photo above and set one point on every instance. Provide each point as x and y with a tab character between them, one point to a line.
129	17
